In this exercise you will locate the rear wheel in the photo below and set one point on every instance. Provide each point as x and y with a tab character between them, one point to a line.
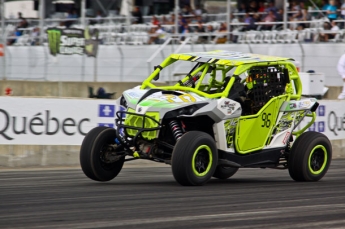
224	172
194	158
310	157
94	152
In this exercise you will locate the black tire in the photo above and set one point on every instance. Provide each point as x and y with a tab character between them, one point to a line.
310	157
90	155
194	158
224	172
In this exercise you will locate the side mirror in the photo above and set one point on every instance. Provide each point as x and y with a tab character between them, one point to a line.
157	76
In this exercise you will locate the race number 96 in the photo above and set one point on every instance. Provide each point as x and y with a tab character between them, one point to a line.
266	118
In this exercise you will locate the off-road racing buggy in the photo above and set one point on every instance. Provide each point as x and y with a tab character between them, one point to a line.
231	111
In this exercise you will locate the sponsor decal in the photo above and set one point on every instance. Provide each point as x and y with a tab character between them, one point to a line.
286	138
292	105
229	107
230	127
304	104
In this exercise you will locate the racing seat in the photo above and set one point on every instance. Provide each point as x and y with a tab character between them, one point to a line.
266	83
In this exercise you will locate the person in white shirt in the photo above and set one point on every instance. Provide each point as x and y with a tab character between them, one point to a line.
341	71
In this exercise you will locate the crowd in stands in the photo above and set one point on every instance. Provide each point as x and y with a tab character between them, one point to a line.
257	15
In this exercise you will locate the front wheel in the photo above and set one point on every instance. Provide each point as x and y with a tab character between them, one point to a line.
310	157
94	151
194	158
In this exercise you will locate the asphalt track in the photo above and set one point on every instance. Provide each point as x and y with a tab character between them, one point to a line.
149	197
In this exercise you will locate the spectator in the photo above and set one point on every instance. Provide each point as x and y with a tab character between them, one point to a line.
98	19
201	29
242	10
154	20
297	13
221	39
253	8
72	14
332	11
35	36
249	20
270	17
138	17
304	12
157	35
23	23
210	30
324	5
171	21
234	20
330	30
99	16
199	19
198	10
335	28
342	14
184	30
181	23
272	7
187	10
262	7
165	21
341	72
280	15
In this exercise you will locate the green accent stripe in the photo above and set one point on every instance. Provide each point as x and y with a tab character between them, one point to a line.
209	163
324	161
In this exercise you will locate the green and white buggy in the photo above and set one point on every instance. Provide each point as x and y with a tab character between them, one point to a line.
232	110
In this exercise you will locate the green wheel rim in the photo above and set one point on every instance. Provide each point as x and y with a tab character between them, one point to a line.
317	159
202	155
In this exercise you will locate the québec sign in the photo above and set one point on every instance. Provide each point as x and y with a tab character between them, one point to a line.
31	121
330	119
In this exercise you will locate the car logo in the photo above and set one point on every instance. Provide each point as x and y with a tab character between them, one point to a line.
139	109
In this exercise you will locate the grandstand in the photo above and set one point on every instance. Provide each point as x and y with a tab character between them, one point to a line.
307	33
249	25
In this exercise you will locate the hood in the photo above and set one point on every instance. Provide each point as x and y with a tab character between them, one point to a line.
160	100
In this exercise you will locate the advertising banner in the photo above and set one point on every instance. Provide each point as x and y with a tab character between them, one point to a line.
330	119
36	121
73	41
39	121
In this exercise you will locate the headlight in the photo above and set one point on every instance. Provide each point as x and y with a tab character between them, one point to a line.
189	110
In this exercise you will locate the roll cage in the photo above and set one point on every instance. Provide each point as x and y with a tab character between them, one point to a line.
293	87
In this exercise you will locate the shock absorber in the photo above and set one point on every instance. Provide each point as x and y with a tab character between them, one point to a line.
176	129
